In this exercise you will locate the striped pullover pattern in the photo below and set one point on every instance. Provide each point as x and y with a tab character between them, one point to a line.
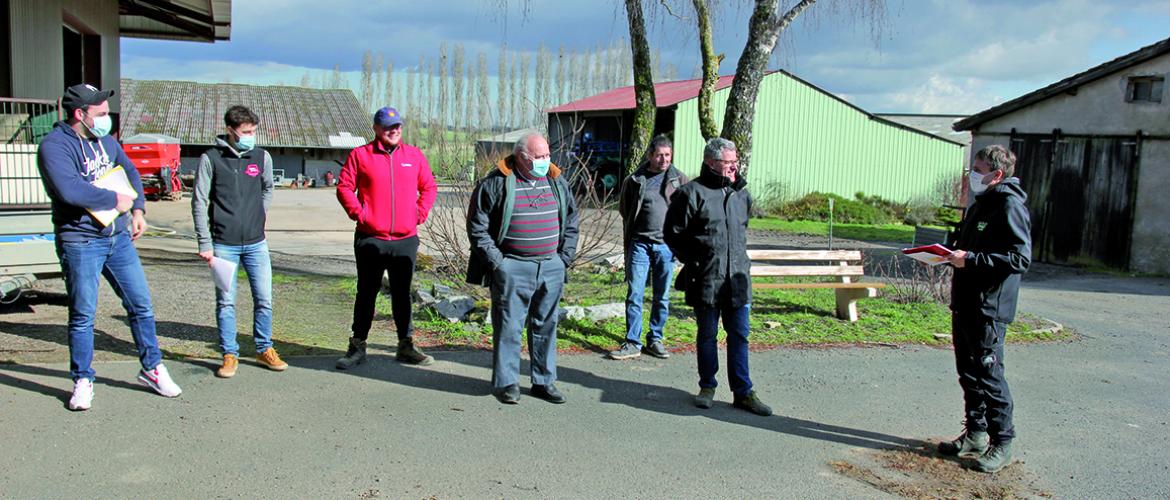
535	229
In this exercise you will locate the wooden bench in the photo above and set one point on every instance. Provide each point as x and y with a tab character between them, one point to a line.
843	265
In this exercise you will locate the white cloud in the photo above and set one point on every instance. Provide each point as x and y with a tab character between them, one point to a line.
941	94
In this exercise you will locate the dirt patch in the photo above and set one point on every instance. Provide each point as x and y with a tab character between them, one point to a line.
923	473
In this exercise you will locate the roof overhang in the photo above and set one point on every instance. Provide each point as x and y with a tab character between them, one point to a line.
186	20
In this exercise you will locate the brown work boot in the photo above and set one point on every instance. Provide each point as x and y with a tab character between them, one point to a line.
228	370
411	355
271	360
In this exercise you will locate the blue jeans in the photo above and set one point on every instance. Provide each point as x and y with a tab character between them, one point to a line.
735	322
654	259
257	264
83	264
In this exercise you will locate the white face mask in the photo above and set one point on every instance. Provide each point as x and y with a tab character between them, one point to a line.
975	182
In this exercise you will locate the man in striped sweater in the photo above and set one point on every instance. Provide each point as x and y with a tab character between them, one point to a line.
522	225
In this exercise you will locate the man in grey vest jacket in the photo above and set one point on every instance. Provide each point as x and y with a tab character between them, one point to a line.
233	190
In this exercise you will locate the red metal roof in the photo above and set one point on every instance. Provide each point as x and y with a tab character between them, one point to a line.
665	94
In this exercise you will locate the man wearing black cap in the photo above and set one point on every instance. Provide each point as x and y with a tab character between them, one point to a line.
387	187
77	153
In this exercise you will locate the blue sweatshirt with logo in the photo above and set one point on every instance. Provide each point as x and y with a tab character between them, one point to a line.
69	164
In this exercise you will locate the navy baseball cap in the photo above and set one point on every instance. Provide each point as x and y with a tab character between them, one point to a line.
387	117
83	94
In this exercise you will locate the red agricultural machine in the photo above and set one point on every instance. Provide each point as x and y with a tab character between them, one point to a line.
157	158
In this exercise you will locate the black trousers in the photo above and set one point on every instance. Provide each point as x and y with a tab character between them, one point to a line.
376	257
979	359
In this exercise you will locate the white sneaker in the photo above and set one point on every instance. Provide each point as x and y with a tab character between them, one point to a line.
159	380
82	395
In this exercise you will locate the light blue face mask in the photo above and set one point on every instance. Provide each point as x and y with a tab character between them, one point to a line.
975	182
246	142
101	126
540	167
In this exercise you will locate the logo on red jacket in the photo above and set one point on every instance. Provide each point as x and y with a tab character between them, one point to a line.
253	170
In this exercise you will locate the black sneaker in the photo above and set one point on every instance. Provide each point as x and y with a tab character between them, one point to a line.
705	398
509	395
752	403
626	351
969	444
998	456
657	350
411	355
548	393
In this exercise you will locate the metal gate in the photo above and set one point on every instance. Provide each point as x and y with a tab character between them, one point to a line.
23	123
1081	196
27	251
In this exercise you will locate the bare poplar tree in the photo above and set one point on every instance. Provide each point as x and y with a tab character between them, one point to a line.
514	104
307	80
379	81
458	103
411	107
501	87
598	77
390	84
443	115
485	120
560	87
538	73
367	82
429	86
469	100
525	99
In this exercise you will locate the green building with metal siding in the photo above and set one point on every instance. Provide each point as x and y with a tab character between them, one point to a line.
805	139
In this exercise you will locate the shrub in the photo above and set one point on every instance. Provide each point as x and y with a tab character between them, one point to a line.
815	206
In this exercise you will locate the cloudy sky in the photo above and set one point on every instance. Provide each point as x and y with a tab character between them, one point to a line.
933	56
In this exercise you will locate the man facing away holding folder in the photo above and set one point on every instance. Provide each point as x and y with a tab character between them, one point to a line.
233	189
78	152
993	249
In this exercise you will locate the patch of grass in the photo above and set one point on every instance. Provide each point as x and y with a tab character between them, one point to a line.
779	317
896	233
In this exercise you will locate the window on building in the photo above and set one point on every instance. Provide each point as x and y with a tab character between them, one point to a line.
1145	89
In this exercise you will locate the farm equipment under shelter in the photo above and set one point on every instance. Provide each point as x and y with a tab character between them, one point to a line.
156	156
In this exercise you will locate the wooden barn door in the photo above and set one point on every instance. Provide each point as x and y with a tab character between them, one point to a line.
1080	194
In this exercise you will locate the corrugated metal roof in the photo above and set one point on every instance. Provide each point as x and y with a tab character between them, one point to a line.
289	116
191	20
508	137
938	125
665	94
1068	84
805	139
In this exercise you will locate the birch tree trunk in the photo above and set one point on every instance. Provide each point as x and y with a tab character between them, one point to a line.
764	30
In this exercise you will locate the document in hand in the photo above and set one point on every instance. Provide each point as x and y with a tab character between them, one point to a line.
930	254
114	180
223	272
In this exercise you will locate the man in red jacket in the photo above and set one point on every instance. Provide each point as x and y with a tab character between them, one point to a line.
388	188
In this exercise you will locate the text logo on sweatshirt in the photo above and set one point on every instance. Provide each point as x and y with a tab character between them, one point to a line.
253	170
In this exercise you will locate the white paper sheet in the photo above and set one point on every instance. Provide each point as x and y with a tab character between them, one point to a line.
223	272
